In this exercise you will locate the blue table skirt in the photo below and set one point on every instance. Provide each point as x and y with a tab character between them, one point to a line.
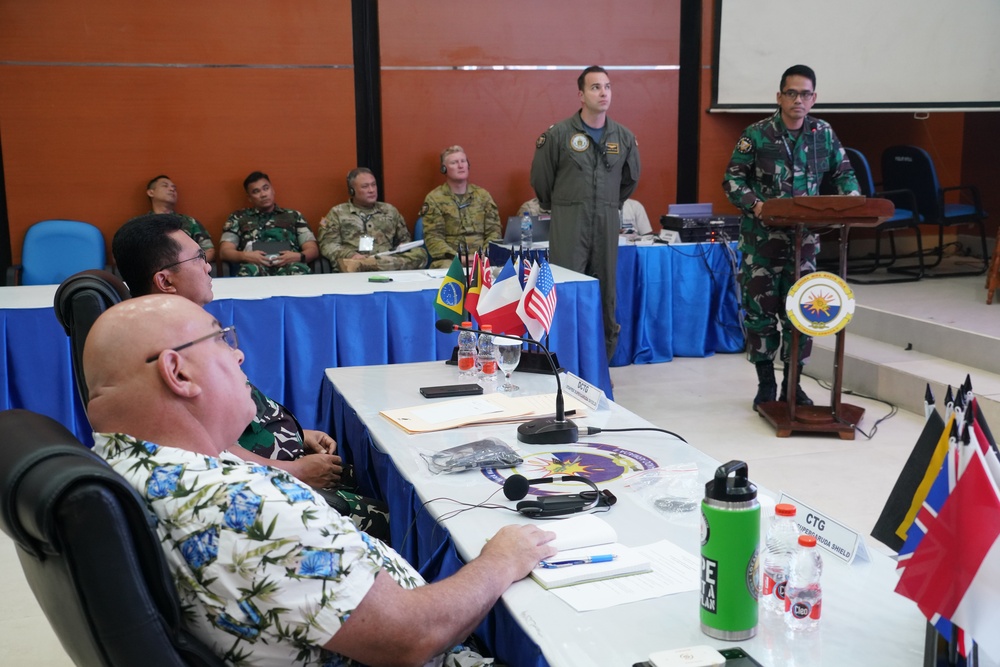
415	534
288	342
676	300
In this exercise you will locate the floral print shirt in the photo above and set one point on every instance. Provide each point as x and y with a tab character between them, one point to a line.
266	571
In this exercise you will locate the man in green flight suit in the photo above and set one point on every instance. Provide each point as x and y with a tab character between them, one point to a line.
584	169
458	212
786	155
352	234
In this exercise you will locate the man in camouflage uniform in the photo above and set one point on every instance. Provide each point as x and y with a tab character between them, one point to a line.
458	212
265	221
584	169
162	195
786	155
353	233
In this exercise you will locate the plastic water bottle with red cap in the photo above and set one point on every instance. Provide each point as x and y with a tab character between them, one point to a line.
803	594
781	542
467	352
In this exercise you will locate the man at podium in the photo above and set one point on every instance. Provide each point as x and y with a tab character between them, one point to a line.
785	155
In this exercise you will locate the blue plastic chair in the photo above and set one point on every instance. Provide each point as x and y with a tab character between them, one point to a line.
911	168
54	250
907	216
418	229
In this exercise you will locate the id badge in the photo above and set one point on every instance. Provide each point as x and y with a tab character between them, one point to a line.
366	243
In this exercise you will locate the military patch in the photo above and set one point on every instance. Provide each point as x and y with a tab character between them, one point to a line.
423	210
540	141
579	142
612	148
744	145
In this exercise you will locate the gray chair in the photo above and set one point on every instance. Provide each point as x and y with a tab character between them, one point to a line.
89	550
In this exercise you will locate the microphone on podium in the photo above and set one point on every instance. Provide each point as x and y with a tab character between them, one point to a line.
549	431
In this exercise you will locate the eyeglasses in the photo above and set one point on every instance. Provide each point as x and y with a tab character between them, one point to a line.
201	255
228	334
791	94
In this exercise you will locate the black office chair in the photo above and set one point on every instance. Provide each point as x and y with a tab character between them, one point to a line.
89	550
911	168
79	300
906	217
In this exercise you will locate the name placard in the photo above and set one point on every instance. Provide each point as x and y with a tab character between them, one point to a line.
830	534
582	390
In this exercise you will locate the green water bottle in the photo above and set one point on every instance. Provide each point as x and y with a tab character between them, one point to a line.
730	539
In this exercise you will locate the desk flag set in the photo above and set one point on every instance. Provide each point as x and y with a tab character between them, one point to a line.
521	298
943	518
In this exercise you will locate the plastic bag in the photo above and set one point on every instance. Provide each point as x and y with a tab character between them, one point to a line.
672	491
487	453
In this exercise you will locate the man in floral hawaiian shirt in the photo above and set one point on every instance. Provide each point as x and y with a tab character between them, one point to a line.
267	573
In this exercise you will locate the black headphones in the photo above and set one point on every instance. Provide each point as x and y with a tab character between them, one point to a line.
515	487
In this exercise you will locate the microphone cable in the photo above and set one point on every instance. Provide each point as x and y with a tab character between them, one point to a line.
593	430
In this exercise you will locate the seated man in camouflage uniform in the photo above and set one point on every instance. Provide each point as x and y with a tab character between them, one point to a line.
458	212
352	234
154	256
246	229
162	195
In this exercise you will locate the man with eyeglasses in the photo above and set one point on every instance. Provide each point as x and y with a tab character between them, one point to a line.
266	572
786	155
162	193
155	256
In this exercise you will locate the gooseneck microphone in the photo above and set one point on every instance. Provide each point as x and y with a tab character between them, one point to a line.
549	431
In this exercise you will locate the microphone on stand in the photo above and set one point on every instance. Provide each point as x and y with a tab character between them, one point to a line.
549	431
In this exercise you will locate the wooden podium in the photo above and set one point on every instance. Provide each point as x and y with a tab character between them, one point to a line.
814	213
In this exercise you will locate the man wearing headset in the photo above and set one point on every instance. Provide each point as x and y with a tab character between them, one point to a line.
353	234
458	212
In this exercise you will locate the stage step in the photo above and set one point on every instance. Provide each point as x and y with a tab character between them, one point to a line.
891	357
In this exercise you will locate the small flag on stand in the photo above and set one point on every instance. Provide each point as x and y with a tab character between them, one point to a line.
475	287
450	302
498	306
538	303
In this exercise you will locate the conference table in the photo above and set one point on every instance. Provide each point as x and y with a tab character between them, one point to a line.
679	299
864	622
291	328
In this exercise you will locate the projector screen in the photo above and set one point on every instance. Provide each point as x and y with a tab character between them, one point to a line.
893	55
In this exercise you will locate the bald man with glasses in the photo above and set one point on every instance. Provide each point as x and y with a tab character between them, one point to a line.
786	155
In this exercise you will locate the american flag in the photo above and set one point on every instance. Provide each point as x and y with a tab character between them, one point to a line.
540	303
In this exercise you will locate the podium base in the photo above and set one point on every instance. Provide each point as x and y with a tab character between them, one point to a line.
811	419
531	362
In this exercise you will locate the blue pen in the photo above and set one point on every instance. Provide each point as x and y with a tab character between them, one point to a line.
602	558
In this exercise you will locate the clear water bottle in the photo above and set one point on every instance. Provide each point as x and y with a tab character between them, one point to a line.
781	542
803	594
486	358
526	231
466	351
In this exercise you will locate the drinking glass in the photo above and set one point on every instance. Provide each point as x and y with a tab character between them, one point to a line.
508	355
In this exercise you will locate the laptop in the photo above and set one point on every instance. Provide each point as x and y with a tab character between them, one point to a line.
539	230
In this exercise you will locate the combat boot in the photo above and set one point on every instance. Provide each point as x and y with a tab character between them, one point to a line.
767	388
800	396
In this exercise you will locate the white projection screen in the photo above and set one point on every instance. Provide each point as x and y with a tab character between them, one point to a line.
895	55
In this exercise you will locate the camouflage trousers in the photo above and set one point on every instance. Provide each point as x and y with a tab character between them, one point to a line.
764	282
368	514
293	269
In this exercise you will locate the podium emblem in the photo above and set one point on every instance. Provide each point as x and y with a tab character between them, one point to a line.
820	304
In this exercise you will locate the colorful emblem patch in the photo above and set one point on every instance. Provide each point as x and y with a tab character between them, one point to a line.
599	463
744	145
540	141
423	209
820	304
612	148
579	142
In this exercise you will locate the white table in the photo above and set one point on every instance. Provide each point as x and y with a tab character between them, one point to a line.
864	621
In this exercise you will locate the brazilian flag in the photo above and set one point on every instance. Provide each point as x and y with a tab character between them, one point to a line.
450	302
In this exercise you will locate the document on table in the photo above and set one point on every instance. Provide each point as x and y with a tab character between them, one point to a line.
402	247
674	571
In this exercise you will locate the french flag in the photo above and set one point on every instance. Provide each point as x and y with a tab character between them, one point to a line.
498	306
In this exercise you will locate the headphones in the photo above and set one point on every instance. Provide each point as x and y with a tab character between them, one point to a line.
449	151
516	487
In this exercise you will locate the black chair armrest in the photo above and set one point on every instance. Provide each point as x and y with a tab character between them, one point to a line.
14	275
972	189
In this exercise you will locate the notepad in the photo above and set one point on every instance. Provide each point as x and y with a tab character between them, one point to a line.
583	536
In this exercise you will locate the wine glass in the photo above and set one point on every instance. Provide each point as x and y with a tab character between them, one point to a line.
508	355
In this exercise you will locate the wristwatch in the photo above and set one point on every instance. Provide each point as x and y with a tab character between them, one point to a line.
302	257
